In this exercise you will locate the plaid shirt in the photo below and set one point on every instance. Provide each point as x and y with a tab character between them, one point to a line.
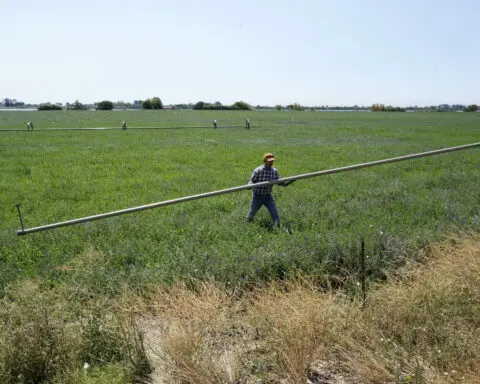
263	173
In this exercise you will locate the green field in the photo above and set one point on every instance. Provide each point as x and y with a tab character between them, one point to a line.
61	175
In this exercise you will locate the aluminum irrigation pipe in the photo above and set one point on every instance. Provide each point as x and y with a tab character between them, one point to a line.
129	129
242	187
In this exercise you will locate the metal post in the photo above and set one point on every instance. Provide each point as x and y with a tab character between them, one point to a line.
363	274
20	216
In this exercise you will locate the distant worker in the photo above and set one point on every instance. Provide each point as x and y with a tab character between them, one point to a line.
262	195
214	123
247	123
29	126
124	126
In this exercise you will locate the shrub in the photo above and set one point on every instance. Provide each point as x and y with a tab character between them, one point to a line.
49	107
104	105
34	344
44	339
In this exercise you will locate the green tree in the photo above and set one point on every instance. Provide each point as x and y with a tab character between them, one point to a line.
241	105
156	103
278	107
377	108
471	108
9	102
78	106
199	105
296	107
104	105
147	104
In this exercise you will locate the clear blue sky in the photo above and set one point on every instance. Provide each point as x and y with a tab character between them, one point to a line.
267	52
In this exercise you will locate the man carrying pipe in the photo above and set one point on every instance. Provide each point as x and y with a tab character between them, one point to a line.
25	231
262	195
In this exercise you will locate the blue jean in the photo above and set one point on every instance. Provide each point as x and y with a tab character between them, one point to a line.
267	200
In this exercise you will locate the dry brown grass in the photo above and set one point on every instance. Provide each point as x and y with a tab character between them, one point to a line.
196	326
421	327
302	326
293	320
431	312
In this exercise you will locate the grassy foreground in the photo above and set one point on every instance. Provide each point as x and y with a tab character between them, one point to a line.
421	326
75	278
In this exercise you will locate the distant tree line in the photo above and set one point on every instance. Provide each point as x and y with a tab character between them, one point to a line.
448	108
156	103
12	103
217	106
49	107
293	107
388	108
105	105
432	108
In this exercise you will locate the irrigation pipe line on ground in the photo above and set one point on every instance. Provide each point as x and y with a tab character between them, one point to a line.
24	231
129	129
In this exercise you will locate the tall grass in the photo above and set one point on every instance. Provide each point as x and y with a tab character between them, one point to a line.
61	175
45	337
420	327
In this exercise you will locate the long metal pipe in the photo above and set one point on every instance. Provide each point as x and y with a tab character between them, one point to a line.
242	187
129	129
